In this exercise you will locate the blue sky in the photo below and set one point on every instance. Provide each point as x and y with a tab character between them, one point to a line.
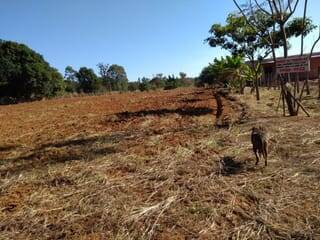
144	36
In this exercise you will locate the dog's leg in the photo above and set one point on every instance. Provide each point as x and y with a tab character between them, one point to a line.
265	154
266	161
257	158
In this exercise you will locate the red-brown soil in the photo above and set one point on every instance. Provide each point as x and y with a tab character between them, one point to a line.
155	166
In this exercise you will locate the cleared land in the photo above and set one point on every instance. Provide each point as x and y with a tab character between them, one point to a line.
154	166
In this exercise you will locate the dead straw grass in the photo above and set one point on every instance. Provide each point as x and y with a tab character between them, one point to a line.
193	182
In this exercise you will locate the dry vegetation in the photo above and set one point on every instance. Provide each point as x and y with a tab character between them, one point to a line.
154	166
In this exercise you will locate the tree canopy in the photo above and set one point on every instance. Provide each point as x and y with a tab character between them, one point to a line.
118	78
227	71
240	38
25	75
88	80
248	34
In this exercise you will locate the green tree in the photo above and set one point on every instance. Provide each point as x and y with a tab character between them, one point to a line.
144	84
88	80
25	75
158	81
185	81
280	12
240	37
71	81
229	72
182	75
70	74
104	73
233	70
207	76
172	82
118	78
133	86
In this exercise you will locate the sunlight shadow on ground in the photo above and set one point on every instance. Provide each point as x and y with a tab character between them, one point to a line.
199	111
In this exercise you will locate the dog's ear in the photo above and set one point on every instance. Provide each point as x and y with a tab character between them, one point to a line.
262	128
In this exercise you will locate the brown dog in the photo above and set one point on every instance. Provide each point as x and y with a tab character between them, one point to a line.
259	143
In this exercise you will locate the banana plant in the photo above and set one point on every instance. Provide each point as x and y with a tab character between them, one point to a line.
233	72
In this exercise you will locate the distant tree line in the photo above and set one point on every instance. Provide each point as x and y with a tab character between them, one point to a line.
26	76
85	80
160	81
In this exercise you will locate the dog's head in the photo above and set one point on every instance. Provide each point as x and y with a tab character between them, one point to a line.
258	130
254	129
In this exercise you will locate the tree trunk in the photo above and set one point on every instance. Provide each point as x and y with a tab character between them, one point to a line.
285	44
298	82
241	88
289	77
269	81
319	87
304	25
307	84
283	102
295	90
319	83
291	108
257	89
287	96
256	78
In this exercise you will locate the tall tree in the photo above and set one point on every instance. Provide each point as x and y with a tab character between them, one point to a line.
182	75
118	78
71	80
70	74
310	56
172	82
240	37
158	81
144	84
88	80
280	12
104	73
25	75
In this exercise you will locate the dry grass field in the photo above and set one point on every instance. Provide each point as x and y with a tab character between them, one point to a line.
154	166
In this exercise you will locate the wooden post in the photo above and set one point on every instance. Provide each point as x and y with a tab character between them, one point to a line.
270	80
289	78
279	101
288	94
307	84
287	97
298	82
260	82
283	102
299	104
295	90
301	93
319	87
319	81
